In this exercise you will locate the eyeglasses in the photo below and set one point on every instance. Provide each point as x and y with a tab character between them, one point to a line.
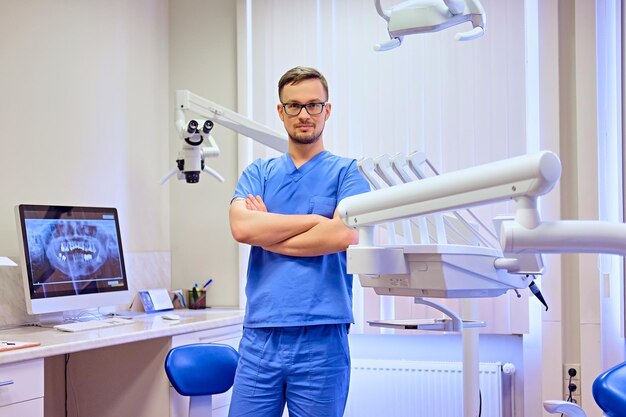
294	109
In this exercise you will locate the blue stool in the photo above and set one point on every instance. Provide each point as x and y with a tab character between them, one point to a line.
609	391
199	371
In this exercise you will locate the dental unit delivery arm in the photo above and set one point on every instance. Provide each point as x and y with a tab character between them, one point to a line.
522	179
528	175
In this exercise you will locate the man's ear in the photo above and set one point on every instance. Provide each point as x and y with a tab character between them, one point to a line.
327	110
279	109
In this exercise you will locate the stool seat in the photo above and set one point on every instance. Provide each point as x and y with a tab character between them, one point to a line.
201	370
564	408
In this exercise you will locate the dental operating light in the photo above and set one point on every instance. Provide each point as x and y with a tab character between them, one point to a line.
426	16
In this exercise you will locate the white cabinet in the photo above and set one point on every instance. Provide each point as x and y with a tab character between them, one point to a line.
229	335
21	389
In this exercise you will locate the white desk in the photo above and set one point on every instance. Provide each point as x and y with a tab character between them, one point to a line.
113	372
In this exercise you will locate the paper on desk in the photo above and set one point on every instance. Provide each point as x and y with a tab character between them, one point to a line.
160	299
6	262
152	300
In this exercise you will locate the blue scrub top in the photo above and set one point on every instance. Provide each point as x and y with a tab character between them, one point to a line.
295	291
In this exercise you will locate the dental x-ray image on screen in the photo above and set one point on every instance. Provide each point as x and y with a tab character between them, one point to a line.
71	251
73	256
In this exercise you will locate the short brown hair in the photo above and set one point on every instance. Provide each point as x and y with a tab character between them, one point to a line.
297	74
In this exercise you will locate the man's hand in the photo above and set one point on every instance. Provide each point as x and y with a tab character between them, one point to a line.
255	203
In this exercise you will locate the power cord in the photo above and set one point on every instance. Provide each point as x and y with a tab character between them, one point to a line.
68	381
571	387
67	361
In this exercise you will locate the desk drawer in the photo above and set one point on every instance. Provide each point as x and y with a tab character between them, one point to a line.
228	335
30	408
21	381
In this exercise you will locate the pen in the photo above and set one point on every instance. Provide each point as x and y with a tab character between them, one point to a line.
8	343
201	298
208	283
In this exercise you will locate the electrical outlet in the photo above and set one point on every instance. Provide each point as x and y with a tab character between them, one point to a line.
574	368
575	397
566	391
566	369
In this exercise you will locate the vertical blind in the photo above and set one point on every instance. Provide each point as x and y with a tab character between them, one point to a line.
462	103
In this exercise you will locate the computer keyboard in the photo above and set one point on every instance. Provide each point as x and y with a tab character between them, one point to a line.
80	326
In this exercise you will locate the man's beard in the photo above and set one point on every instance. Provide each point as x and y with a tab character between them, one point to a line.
305	139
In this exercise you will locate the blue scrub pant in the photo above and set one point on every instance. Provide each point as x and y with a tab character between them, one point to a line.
307	367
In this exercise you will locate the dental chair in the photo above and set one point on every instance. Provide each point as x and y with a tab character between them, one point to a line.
609	391
200	371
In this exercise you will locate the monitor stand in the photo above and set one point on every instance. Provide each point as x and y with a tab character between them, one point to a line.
49	319
119	311
53	319
62	317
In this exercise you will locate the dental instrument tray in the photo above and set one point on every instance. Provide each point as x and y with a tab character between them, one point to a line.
438	324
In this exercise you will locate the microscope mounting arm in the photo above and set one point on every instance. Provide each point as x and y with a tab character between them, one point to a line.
191	158
188	101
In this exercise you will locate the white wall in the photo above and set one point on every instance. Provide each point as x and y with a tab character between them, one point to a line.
203	50
86	115
84	112
84	118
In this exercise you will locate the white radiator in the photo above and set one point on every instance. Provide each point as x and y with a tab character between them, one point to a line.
380	388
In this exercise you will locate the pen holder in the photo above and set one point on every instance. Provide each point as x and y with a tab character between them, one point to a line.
197	299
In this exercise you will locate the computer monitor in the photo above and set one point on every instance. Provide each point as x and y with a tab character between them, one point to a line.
71	258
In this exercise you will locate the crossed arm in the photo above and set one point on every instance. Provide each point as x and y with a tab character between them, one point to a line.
288	234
